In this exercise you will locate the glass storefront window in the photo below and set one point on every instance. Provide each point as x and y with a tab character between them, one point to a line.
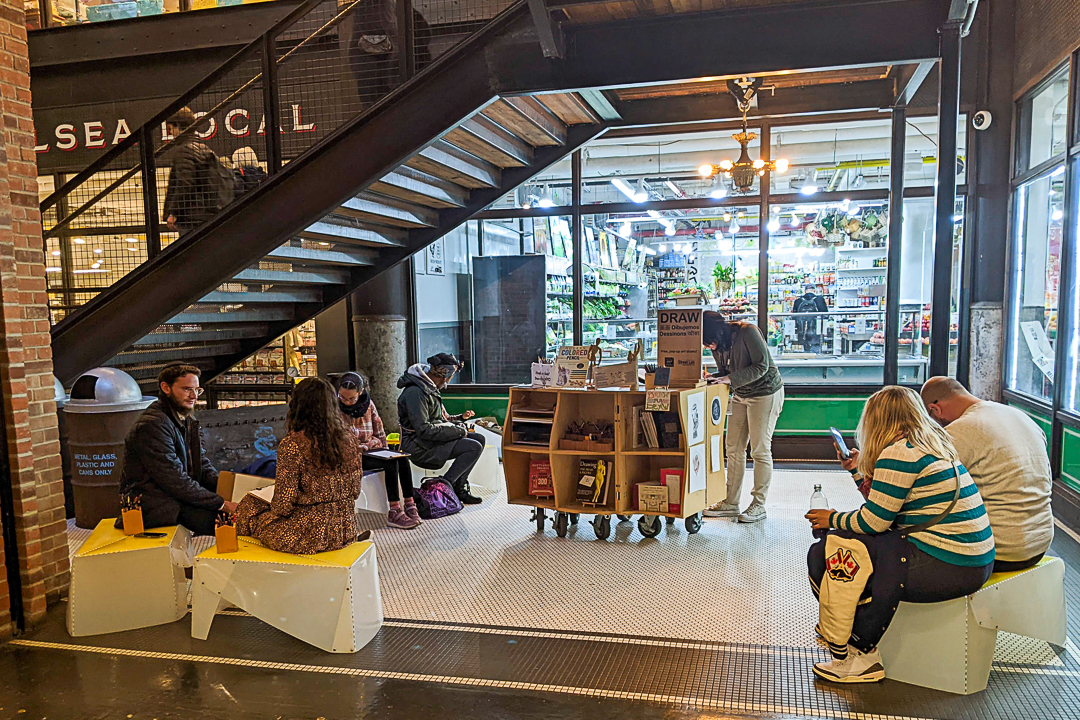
1043	122
827	279
1072	368
832	157
1036	272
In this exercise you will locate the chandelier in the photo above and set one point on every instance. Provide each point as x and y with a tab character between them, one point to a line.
743	171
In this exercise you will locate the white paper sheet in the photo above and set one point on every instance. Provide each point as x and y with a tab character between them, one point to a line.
385	454
266	493
715	456
695	416
697	468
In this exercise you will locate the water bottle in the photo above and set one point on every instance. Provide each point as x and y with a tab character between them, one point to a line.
818	502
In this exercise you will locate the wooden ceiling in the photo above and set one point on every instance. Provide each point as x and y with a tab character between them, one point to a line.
598	11
714	85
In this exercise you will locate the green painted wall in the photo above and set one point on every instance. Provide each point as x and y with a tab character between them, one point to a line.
1070	458
802	414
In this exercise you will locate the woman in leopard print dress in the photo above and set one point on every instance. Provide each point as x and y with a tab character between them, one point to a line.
318	479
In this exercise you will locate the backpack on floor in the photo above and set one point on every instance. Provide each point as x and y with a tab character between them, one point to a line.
436	499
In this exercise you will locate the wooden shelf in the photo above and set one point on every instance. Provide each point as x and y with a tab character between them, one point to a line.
585	453
546	503
654	451
537	449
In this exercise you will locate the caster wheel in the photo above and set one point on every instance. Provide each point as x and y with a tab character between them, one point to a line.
562	521
649	525
574	518
693	523
670	521
623	518
539	516
602	526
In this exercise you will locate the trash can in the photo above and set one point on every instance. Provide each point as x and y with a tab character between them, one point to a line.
104	404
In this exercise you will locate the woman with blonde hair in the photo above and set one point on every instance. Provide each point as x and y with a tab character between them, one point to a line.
922	536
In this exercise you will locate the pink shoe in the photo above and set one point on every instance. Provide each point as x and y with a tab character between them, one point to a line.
398	519
411	511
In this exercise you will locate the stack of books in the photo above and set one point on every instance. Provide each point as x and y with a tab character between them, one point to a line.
531	425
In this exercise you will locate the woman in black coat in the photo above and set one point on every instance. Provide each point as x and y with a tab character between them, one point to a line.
429	434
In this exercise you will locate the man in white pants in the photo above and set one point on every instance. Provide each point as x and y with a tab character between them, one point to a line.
743	360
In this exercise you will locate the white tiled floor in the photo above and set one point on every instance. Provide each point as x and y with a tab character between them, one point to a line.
730	582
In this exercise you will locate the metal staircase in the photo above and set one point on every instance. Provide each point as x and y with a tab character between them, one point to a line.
382	182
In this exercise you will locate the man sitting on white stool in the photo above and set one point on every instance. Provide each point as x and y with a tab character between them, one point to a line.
1005	453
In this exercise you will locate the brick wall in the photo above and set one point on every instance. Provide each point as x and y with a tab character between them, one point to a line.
26	381
1046	32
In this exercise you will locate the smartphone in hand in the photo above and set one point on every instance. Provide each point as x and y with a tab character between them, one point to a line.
838	439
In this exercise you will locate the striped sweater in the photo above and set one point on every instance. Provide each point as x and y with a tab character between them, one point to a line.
910	488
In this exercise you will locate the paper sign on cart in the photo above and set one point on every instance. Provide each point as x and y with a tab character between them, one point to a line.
715	456
697	468
657	400
543	375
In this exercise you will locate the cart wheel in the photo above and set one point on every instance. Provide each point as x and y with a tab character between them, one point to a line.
649	525
693	523
538	516
623	518
574	518
670	521
602	526
562	520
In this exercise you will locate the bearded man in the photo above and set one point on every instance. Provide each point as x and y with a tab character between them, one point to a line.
164	462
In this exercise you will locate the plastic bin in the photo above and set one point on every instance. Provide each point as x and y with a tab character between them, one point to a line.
150	7
104	404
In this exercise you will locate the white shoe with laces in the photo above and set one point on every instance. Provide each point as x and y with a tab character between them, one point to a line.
721	509
857	667
754	513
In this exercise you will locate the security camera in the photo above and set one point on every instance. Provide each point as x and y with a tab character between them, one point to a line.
982	119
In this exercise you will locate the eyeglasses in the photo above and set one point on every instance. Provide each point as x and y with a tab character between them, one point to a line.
197	392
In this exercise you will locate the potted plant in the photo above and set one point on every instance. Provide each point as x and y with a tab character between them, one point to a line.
723	278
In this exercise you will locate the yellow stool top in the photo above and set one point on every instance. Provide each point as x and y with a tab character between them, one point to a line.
251	550
107	538
1002	577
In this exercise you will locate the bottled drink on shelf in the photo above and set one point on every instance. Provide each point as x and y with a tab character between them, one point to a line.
819	502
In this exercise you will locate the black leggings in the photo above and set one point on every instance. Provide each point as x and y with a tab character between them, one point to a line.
398	473
1016	565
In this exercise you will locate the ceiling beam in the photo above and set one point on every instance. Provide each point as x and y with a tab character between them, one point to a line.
757	41
552	42
815	99
909	78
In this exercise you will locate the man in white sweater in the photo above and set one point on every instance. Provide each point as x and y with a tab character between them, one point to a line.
1005	453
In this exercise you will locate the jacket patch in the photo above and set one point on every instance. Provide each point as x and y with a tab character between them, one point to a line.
841	567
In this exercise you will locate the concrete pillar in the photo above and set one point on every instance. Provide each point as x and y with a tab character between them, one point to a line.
36	542
987	350
380	311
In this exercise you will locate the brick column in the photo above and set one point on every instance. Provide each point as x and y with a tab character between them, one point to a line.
26	380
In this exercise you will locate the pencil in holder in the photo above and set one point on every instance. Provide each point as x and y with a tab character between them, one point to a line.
131	514
225	533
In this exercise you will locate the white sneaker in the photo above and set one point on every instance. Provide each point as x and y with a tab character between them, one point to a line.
721	509
753	514
857	667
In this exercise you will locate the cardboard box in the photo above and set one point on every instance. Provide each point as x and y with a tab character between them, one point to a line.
679	345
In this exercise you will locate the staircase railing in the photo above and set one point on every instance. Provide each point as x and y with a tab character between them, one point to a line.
323	65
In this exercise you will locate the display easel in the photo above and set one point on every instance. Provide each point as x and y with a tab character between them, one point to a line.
630	464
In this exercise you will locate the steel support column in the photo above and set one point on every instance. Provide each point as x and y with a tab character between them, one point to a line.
896	230
575	235
271	103
150	196
763	237
945	200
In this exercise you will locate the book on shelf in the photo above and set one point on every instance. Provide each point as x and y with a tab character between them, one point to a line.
649	427
637	432
540	483
672	479
593	476
668	429
651	497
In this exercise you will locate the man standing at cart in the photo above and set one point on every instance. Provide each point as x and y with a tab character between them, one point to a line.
743	361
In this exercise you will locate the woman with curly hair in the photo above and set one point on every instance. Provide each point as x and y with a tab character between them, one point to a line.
318	479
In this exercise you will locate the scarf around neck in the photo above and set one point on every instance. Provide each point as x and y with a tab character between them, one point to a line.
359	408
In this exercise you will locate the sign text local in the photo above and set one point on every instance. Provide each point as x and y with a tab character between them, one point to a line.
97	134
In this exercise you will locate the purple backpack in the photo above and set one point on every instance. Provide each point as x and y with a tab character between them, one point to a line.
436	499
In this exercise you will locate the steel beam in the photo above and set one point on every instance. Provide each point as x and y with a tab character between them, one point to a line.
908	79
578	291
945	199
549	32
896	230
816	99
757	40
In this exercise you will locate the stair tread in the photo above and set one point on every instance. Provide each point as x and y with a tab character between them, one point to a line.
339	229
418	187
488	141
332	257
450	162
529	120
323	276
389	211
